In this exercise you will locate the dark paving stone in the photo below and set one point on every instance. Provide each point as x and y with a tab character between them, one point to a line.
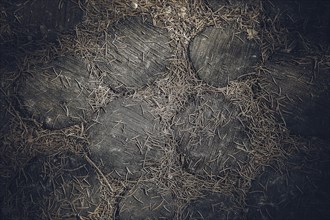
4	115
58	187
300	191
7	91
306	21
42	19
217	4
57	93
220	55
147	201
126	138
303	95
137	54
209	134
211	206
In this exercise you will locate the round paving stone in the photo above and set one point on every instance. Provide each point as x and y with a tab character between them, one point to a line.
137	53
126	138
220	55
57	93
147	201
210	136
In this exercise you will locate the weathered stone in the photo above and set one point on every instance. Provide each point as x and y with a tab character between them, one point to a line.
125	138
137	54
306	21
43	19
211	206
147	201
220	55
217	4
210	135
302	96
58	187
300	191
7	80
4	116
56	94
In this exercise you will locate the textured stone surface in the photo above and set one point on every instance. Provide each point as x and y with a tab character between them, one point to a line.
302	95
60	187
147	201
216	4
4	115
43	19
137	54
125	138
56	93
220	55
296	192
209	135
211	206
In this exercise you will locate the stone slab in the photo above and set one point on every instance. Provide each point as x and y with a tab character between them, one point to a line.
56	94
43	19
303	97
220	55
125	138
137	54
4	115
211	206
147	201
300	191
57	187
209	135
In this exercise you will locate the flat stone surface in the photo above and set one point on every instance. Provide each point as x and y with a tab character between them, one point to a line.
147	201
209	135
211	206
300	191
220	55
60	187
4	115
217	4
56	93
7	80
43	19
303	97
125	138
137	54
